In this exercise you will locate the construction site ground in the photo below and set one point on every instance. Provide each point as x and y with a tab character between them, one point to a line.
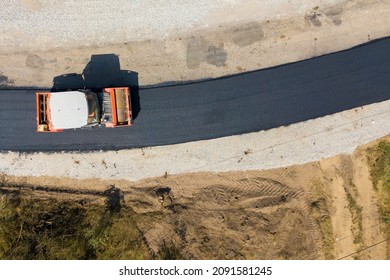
310	196
327	209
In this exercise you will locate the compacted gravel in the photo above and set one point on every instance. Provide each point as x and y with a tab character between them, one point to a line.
25	23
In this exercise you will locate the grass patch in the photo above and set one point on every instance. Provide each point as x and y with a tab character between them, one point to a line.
51	229
169	252
44	229
379	161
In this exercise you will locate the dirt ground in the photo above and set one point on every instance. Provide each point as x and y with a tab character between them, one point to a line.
319	210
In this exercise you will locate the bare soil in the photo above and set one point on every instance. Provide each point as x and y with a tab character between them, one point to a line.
319	210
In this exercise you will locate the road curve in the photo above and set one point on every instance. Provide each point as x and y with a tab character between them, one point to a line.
238	104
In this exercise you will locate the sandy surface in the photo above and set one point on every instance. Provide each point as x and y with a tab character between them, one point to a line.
178	40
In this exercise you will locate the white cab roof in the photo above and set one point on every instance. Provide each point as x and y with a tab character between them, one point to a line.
68	109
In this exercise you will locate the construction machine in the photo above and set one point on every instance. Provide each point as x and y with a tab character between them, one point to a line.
110	107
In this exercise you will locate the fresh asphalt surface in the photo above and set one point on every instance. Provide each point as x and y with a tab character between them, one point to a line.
238	104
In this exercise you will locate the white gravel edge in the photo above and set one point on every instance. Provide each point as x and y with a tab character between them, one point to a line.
295	144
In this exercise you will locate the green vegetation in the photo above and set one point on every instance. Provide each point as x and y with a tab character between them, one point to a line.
49	228
379	160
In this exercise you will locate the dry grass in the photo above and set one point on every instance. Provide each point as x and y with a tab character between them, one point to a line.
47	228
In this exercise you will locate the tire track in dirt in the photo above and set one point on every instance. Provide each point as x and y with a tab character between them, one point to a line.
262	197
245	216
258	193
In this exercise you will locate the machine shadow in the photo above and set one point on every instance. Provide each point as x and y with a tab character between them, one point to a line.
103	70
